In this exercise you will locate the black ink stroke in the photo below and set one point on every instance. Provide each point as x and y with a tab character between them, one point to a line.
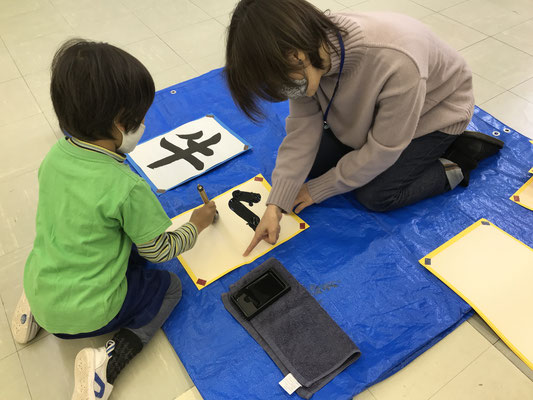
187	154
237	206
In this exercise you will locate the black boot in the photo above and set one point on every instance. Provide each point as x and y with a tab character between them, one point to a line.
127	346
476	145
469	149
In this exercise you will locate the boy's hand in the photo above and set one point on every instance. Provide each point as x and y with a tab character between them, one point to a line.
203	217
268	229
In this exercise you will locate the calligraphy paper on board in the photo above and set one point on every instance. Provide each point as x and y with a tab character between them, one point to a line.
186	152
219	248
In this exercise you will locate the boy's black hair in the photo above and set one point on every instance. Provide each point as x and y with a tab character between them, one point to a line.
261	36
94	84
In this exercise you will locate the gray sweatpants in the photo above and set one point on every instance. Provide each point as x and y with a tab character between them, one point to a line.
171	299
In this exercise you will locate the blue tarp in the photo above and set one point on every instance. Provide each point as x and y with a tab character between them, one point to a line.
361	266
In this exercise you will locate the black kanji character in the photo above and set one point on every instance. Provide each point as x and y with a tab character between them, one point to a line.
187	154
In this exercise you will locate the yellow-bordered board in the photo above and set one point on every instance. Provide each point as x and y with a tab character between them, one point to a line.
493	272
524	195
220	246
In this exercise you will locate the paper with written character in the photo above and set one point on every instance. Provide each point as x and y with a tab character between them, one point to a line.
220	246
190	150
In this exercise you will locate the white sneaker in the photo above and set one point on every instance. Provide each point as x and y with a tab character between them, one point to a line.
23	325
90	375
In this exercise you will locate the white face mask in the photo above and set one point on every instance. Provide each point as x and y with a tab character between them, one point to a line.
130	139
296	92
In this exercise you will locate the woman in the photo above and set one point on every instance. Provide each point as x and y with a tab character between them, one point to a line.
378	105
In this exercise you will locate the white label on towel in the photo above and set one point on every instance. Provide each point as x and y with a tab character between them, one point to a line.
290	384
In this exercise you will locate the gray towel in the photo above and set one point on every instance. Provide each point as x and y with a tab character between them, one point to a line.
297	333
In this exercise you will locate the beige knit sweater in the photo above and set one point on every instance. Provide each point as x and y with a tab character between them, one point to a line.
399	82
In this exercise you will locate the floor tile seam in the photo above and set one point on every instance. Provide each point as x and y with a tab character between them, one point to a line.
479	331
454	5
353	5
519	95
12	59
462	24
16	174
2	358
156	35
27	245
34	96
472	44
2	41
342	5
15	78
515	48
37	339
26	12
493	97
462	370
370	391
510	45
25	82
504	345
24	373
129	13
186	61
10	334
454	376
217	16
471	27
23	76
2	125
65	23
74	27
191	25
410	1
172	30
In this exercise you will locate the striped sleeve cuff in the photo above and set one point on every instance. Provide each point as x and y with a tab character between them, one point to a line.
189	232
169	245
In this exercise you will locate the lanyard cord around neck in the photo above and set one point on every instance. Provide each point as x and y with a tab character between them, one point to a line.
341	44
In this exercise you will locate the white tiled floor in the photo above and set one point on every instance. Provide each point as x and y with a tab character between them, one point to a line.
178	40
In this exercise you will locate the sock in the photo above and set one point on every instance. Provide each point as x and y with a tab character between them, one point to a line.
127	346
454	174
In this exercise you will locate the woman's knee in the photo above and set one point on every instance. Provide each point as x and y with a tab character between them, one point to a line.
376	200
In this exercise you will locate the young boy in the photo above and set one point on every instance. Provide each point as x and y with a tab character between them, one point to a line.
82	277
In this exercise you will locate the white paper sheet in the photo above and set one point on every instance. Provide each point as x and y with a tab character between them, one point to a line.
179	155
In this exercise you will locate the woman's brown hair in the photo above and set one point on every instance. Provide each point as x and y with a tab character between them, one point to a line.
261	37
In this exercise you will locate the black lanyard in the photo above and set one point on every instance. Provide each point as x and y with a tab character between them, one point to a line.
341	44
